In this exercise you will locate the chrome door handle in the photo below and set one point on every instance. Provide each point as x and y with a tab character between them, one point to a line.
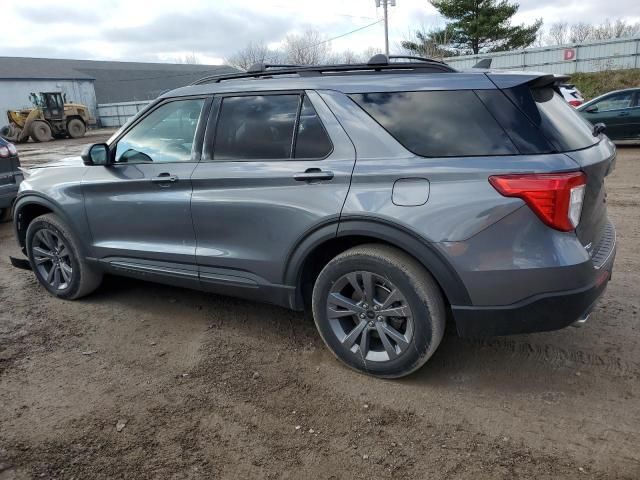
623	114
313	174
165	178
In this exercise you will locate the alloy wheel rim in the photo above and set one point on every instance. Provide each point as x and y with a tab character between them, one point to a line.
370	316
52	258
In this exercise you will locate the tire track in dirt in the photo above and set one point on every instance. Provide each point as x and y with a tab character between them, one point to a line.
556	356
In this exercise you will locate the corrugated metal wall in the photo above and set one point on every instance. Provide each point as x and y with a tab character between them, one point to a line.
586	57
117	114
14	94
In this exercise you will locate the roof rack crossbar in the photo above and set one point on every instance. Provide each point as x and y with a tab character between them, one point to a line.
319	70
261	67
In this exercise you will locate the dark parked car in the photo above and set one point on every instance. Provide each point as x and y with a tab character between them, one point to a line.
10	177
385	197
619	111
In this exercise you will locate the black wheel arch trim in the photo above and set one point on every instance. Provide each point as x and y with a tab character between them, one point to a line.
38	199
390	232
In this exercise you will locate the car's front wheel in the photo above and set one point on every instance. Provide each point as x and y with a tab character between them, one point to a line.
379	311
55	258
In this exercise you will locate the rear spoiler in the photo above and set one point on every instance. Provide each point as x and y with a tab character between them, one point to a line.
549	81
508	79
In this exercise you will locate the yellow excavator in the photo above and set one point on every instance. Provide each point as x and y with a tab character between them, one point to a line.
51	117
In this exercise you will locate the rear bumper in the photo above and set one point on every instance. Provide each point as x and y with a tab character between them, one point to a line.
545	312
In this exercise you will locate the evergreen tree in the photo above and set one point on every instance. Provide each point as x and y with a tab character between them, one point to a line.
475	26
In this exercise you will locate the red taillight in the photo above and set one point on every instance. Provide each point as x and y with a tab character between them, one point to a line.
12	149
575	103
4	151
555	197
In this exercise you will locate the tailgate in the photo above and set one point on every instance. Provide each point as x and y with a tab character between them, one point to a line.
596	162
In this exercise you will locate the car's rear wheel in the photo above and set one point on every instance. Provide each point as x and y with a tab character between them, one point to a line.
55	258
379	311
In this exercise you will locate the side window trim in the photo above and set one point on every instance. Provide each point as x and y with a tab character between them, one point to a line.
211	129
197	139
213	121
296	127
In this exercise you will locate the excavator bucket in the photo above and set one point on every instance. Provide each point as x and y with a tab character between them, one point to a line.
11	132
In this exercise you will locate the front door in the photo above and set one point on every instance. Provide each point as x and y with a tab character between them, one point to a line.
616	112
138	207
275	167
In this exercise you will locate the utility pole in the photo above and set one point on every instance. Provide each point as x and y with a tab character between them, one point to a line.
385	6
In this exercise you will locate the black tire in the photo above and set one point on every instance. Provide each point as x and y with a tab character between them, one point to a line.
40	131
392	271
83	278
76	128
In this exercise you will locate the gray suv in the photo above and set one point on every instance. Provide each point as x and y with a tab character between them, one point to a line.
385	197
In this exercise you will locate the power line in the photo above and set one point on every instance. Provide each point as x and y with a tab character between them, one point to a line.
348	33
205	72
333	38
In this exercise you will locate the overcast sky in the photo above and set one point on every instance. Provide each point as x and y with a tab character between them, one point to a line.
162	30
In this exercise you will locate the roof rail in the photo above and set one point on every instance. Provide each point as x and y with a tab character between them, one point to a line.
261	67
378	63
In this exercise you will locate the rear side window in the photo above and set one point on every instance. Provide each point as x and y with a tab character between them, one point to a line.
438	123
312	141
256	127
561	125
269	127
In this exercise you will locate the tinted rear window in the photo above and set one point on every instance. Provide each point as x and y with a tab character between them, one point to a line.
256	127
438	124
565	129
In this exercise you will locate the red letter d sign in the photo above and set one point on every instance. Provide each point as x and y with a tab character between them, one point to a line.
569	53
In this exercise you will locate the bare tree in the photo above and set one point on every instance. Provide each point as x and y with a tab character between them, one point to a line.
558	33
189	59
308	48
617	29
579	32
251	54
347	57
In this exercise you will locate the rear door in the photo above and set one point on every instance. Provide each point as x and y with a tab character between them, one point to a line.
138	207
275	167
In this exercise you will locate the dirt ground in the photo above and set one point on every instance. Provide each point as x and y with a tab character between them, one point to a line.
147	381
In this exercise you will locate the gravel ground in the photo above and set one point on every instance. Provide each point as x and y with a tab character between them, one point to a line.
147	381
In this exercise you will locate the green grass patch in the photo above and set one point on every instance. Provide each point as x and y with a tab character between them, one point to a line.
596	83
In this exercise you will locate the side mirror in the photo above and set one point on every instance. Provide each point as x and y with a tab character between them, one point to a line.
598	128
96	154
591	109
